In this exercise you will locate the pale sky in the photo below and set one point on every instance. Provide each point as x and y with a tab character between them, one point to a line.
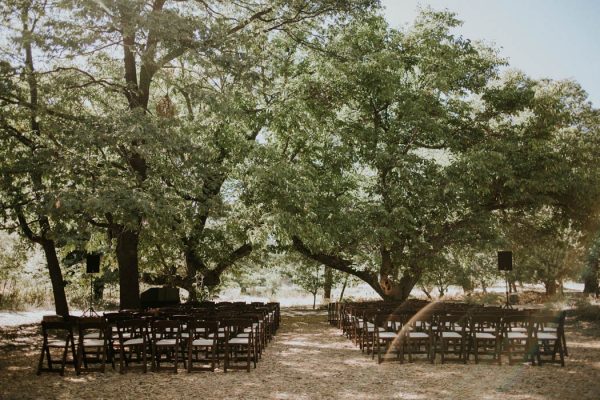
555	39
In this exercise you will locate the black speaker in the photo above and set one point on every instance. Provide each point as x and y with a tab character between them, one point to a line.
505	260
92	263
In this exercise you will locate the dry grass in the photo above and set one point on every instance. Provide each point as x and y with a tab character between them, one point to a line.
311	360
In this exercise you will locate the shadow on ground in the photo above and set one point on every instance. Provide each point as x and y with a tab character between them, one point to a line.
309	359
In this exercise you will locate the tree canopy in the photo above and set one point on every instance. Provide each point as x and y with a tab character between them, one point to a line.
179	138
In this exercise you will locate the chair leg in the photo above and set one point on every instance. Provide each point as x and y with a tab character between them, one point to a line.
248	358
121	359
497	349
41	363
564	343
431	350
79	359
154	355
561	353
226	359
176	351
444	345
64	359
104	357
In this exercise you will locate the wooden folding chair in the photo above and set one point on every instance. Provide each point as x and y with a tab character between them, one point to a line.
165	340
202	345
485	336
517	336
239	348
417	336
387	339
92	346
452	336
548	342
133	339
57	334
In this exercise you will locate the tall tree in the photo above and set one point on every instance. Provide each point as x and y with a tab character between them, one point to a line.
403	143
130	49
30	126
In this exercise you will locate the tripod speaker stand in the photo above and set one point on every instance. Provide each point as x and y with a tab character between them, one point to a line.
92	267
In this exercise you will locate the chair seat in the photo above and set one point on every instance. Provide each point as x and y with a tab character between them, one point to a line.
516	335
418	335
518	329
57	343
244	335
202	342
547	336
185	335
133	342
549	329
93	343
371	329
92	335
451	335
221	335
387	335
239	340
166	342
126	335
484	335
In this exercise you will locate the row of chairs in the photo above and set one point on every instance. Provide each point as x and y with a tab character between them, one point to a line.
456	330
199	338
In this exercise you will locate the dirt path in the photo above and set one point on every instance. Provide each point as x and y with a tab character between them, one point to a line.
310	360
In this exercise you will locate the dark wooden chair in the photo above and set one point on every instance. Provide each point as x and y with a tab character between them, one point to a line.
165	340
133	340
113	335
387	339
485	336
57	334
517	337
548	342
452	336
92	346
239	349
202	345
417	336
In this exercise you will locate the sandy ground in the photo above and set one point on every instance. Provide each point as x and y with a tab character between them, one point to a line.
309	359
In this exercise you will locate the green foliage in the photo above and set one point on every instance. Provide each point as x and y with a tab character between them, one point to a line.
586	310
228	129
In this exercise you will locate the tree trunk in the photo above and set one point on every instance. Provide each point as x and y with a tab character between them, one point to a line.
590	277
314	300
127	258
551	287
58	285
328	284
344	288
397	290
98	286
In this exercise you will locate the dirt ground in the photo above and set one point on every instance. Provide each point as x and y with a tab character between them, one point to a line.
309	359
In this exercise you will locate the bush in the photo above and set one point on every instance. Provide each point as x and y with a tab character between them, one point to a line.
493	299
585	310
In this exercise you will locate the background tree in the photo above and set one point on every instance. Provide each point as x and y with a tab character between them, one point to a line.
405	143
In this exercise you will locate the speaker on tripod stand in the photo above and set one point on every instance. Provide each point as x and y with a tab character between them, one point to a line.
92	266
505	263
